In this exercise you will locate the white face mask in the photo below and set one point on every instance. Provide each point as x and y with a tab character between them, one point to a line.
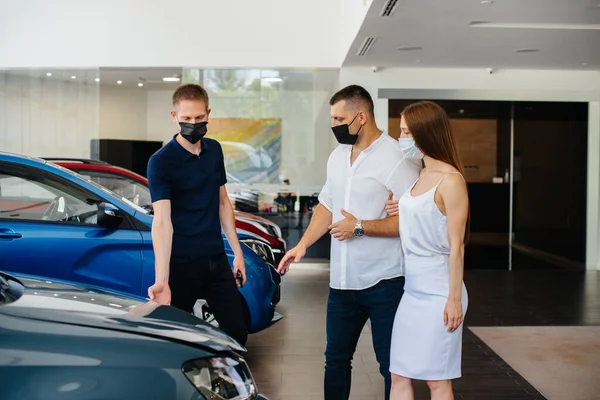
407	145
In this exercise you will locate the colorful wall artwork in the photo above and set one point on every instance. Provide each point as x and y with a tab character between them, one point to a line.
251	146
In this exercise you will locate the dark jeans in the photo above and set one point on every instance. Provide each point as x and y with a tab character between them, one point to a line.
347	313
209	278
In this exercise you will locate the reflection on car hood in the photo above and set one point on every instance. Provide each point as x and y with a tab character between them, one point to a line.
72	304
254	217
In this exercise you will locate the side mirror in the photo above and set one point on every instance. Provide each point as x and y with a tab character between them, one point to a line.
109	216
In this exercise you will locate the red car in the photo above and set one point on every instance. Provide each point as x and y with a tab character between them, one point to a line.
260	234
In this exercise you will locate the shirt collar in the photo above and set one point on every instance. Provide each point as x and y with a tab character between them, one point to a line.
373	145
183	153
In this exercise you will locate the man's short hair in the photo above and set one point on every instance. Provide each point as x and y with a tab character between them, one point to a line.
356	96
190	91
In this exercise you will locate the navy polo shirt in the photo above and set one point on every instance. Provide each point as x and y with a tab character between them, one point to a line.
192	183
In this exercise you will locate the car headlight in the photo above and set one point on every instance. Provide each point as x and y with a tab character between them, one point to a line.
262	249
221	378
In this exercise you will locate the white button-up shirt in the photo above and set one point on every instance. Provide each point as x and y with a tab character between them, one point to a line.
362	190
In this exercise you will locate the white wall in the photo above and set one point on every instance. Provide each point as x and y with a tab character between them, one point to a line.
353	14
593	197
188	33
47	117
473	79
160	126
123	113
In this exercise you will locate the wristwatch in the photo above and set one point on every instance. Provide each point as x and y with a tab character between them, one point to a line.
358	229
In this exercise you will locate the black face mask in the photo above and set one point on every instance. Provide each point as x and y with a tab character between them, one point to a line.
343	135
193	132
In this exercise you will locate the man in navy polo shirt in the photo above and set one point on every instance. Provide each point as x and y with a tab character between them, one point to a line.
187	185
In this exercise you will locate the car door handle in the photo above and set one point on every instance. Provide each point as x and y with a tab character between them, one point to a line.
9	234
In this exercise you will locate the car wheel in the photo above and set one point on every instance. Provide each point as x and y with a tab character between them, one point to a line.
202	311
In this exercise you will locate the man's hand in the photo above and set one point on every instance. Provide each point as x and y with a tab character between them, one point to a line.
238	265
294	255
344	229
160	293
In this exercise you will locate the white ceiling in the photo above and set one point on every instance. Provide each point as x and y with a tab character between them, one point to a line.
441	28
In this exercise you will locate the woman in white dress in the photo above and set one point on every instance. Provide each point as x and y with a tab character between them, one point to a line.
434	219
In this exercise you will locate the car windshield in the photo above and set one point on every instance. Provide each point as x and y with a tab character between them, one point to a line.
135	194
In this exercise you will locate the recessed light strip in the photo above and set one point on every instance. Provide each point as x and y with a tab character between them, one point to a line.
409	48
527	50
508	25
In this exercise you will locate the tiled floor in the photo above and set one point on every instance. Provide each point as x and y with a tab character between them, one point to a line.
287	359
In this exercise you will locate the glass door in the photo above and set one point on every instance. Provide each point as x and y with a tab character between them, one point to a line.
549	164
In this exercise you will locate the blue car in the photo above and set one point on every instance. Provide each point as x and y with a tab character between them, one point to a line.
55	223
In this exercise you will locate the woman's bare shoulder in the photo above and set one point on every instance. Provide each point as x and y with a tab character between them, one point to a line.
454	183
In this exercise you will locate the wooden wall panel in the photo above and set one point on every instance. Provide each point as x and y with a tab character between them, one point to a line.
477	145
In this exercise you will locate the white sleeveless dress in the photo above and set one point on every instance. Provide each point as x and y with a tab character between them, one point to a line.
422	348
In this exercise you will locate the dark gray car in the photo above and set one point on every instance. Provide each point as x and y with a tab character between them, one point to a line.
63	341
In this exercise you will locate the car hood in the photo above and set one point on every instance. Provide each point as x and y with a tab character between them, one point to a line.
74	304
254	217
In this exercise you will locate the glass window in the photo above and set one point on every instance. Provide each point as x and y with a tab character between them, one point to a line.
36	197
130	189
49	112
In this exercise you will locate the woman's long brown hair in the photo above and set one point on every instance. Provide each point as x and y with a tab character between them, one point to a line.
430	127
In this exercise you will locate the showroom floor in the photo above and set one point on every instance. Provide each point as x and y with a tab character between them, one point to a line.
287	359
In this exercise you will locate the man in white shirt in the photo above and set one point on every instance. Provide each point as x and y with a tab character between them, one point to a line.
366	271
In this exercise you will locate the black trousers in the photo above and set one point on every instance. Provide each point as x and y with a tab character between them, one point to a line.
209	278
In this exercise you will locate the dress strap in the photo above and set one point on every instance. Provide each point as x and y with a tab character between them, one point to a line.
446	174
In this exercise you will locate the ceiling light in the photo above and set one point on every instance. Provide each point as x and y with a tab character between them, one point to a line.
140	84
171	79
487	2
97	79
527	50
73	77
49	74
584	64
119	82
272	79
409	48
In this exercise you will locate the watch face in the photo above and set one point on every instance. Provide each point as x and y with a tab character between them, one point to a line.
358	232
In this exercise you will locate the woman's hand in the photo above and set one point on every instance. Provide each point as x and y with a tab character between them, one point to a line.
391	207
453	315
